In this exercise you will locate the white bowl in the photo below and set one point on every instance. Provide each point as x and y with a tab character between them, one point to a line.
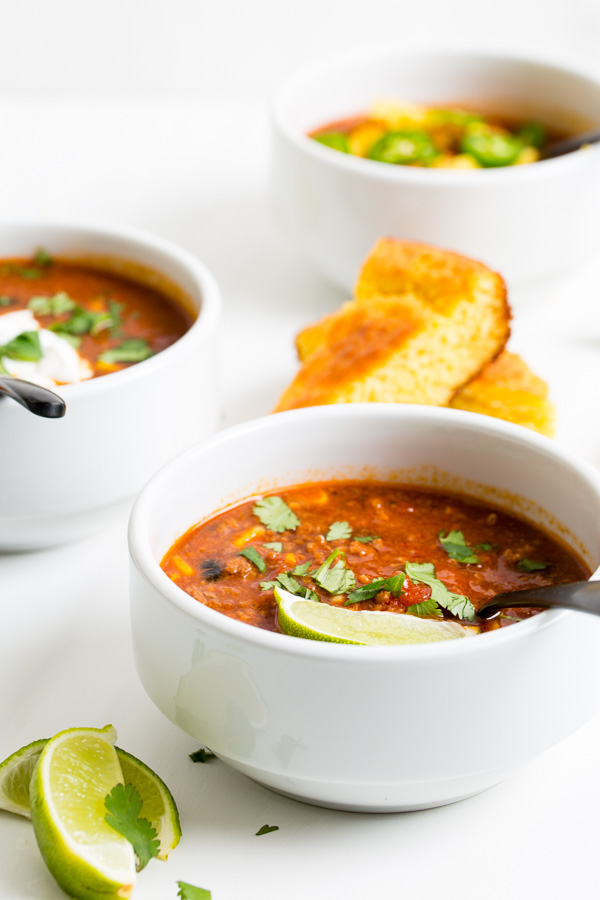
61	479
367	728
528	222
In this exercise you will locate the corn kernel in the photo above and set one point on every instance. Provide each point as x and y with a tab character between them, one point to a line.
289	559
250	535
182	566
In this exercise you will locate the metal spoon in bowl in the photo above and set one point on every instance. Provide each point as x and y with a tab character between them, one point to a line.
571	144
36	399
583	596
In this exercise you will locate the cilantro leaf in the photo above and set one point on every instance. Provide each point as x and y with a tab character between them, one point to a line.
42	258
302	569
189	892
202	755
124	805
456	547
6	301
425	609
56	305
275	514
485	546
531	565
338	531
337	579
393	584
457	604
277	546
266	829
254	557
132	350
290	584
25	346
268	585
366	539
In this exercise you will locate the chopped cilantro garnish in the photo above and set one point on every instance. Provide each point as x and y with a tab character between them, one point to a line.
254	557
42	258
366	539
485	546
275	514
289	583
124	805
6	301
116	321
456	547
268	585
338	531
302	569
277	546
368	591
132	350
190	892
531	565
337	579
52	306
266	829
426	609
25	346
457	604
202	755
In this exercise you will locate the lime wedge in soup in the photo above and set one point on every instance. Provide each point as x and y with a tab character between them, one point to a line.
322	622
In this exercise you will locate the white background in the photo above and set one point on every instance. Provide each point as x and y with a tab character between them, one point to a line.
153	114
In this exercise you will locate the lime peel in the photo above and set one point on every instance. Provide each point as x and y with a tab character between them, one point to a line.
321	622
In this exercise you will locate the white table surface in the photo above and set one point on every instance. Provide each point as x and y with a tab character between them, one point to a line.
196	172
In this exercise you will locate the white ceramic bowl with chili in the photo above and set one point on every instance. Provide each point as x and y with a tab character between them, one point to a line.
357	727
61	479
526	221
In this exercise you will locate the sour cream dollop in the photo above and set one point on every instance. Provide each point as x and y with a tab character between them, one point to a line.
60	362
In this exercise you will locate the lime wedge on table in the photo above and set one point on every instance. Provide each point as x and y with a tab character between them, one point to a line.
75	772
158	805
15	775
322	622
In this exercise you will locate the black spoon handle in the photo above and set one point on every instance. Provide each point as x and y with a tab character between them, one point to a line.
571	144
36	399
583	596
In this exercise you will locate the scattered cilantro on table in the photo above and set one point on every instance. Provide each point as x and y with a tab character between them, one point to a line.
275	514
202	755
124	805
189	892
266	829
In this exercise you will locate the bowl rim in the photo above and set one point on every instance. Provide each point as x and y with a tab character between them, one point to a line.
142	558
203	325
414	175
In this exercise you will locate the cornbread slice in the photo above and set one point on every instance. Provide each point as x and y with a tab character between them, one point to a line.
424	323
508	389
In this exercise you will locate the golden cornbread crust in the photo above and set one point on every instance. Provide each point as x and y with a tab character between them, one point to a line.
508	389
424	323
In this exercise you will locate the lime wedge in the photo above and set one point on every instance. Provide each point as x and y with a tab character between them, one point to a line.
15	775
158	805
322	622
75	772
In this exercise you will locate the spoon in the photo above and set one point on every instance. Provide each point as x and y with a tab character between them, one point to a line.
583	596
571	144
36	399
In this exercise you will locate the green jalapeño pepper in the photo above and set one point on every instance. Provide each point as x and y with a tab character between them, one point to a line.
403	147
491	150
337	140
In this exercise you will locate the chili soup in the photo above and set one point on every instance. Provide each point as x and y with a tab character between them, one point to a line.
62	321
442	138
367	545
